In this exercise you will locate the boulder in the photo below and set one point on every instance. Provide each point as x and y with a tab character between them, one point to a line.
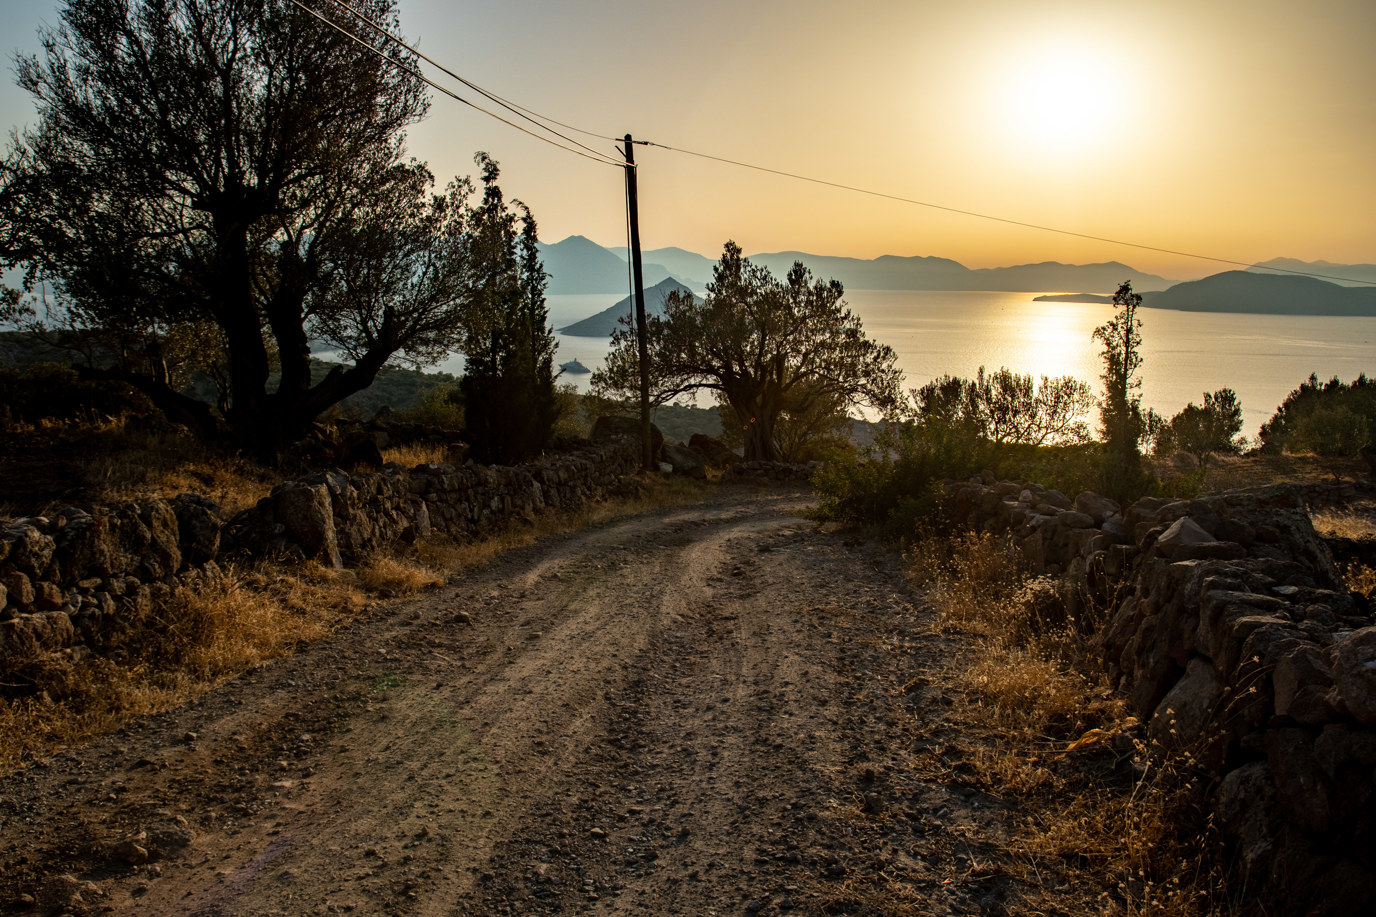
713	451
1354	674
608	426
684	461
1092	504
304	512
163	555
198	527
1183	531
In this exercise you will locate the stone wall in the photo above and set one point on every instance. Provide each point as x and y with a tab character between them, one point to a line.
82	581
1224	621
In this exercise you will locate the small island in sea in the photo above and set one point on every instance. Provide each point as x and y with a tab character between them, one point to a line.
574	367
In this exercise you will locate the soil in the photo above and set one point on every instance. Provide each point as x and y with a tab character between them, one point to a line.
700	710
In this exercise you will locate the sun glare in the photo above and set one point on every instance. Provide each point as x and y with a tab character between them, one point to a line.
1060	100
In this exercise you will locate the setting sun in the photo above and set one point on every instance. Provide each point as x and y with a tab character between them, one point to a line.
1059	99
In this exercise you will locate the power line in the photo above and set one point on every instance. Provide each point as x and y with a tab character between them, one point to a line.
517	110
997	219
406	68
540	120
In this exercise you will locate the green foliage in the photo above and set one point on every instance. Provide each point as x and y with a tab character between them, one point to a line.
894	484
1333	432
764	346
510	403
439	407
1007	407
955	428
1201	430
1332	399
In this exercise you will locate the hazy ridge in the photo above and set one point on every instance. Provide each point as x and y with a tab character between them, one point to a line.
579	265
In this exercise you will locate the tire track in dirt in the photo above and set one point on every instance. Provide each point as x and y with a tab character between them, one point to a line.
688	711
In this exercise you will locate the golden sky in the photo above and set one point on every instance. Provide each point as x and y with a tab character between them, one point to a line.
1241	130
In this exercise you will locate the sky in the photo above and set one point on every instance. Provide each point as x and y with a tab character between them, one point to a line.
1238	129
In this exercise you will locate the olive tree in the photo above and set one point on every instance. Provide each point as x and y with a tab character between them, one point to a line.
763	346
1204	430
1008	407
234	170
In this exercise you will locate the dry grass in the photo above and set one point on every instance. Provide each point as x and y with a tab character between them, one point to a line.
389	576
412	454
1360	578
230	621
1042	728
1350	522
117	460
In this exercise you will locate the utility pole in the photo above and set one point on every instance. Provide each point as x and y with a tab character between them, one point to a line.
641	335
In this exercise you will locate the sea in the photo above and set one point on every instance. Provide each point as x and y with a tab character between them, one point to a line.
1184	354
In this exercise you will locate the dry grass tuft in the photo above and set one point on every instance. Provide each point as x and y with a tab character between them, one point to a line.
410	455
1360	578
1354	523
388	576
1040	725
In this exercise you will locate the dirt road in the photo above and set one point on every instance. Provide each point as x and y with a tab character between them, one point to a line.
701	710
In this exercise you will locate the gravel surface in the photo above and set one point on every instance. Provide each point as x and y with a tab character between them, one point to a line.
699	710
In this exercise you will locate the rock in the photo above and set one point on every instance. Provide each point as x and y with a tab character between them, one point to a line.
163	555
131	850
1354	674
1302	680
713	451
1245	803
608	426
30	551
19	589
304	511
1100	508
684	461
362	449
1209	550
1184	713
1183	531
29	636
67	892
199	521
1303	790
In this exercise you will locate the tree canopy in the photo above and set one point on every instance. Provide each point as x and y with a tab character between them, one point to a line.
1008	407
764	346
1204	430
228	177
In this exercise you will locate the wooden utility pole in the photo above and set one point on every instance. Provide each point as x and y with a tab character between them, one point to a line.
641	335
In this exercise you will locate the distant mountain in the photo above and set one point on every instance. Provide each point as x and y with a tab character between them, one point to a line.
684	266
1357	273
1052	275
577	265
1271	294
887	272
580	265
603	323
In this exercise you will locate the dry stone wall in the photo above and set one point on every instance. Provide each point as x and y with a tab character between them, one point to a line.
82	581
1226	623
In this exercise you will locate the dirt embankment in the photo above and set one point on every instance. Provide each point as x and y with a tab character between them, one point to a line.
698	710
